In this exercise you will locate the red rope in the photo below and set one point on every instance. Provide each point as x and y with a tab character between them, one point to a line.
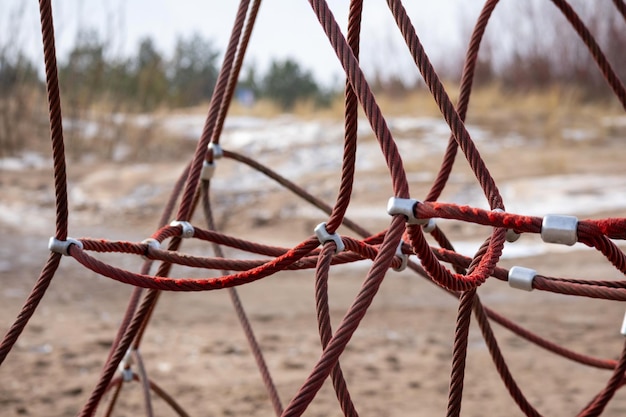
241	313
380	247
459	353
325	328
349	324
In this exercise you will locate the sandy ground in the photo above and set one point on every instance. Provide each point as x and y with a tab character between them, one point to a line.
397	364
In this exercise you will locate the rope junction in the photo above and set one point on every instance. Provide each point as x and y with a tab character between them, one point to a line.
410	219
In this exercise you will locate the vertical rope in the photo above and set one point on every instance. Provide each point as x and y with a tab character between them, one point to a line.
325	328
184	211
138	314
60	181
124	338
467	80
455	393
351	117
241	313
364	94
500	363
446	107
234	74
30	305
111	365
350	321
616	381
56	118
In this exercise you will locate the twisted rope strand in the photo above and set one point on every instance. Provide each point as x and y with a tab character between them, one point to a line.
380	247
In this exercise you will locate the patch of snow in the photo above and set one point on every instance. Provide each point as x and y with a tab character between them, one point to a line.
565	194
297	148
581	194
27	218
27	160
579	135
434	125
87	128
519	249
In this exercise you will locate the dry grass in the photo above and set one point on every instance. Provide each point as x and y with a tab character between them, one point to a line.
548	115
491	104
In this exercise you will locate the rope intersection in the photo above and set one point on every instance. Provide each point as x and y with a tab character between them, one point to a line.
405	235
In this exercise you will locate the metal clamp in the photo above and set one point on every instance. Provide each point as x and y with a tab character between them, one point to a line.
403	257
152	243
511	235
63	246
522	278
323	236
430	226
208	169
187	231
124	366
405	206
557	228
217	150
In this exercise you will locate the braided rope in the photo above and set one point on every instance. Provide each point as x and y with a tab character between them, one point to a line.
380	248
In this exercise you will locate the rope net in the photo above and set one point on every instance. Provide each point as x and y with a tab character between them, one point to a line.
392	248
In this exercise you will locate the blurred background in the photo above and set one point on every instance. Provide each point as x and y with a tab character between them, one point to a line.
120	59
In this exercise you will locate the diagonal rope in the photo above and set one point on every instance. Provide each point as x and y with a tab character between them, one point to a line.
383	247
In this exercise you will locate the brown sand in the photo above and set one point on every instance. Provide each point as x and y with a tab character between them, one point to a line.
397	364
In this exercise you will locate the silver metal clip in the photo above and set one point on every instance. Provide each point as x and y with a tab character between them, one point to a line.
430	226
217	150
208	169
405	206
63	246
323	236
152	243
557	228
403	257
522	278
511	235
187	231
124	366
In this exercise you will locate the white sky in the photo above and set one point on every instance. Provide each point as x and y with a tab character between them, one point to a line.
285	28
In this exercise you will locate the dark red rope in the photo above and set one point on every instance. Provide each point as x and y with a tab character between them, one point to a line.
349	323
620	5
234	75
56	118
124	334
185	208
596	52
379	247
467	79
30	305
325	327
500	363
455	393
363	92
351	118
615	382
446	107
241	313
111	365
60	180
